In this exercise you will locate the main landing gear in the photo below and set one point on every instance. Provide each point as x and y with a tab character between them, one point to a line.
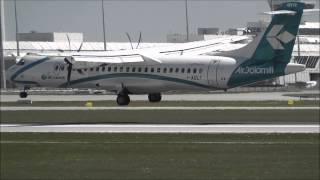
155	97
123	99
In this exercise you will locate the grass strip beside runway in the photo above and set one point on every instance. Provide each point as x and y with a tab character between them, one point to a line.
159	156
162	116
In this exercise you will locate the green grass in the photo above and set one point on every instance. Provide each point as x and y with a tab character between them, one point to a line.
159	156
169	103
161	116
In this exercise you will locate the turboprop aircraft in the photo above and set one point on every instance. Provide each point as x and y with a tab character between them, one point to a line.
143	72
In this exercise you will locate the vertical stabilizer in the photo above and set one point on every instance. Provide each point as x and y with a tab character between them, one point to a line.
268	55
277	41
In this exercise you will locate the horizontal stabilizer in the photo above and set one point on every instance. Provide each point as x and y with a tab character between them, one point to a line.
311	10
280	12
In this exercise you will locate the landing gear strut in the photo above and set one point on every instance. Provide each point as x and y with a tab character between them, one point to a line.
155	97
24	93
123	99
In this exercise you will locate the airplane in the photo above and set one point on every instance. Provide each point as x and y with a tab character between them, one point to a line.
143	72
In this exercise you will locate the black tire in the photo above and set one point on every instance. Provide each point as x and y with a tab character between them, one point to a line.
23	94
123	100
156	97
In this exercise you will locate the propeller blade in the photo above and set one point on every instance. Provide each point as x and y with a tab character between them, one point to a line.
69	42
67	60
69	74
140	38
80	47
129	40
69	69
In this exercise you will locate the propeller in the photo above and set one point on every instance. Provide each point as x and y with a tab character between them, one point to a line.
69	42
140	38
69	69
129	40
80	47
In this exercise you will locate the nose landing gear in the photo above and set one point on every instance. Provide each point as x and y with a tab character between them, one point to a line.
24	93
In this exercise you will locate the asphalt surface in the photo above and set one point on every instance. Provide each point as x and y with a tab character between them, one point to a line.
148	128
253	96
12	108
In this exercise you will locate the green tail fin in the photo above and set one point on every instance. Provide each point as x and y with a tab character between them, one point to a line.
277	42
269	53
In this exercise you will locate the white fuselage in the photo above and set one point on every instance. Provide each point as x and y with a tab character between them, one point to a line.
180	73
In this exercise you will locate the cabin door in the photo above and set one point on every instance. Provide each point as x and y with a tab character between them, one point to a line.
213	73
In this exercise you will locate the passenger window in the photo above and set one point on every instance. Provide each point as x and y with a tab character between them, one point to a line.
146	69
170	70
194	70
165	70
158	70
97	69
182	70
115	69
133	69
139	69
177	70
152	70
85	69
121	69
91	69
109	69
127	69
103	68
189	70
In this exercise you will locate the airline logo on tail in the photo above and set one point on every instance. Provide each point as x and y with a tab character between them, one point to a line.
277	39
255	70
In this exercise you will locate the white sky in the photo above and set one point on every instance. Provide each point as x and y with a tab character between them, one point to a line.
155	18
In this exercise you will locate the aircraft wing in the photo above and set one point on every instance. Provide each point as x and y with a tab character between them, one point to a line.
148	55
198	47
95	60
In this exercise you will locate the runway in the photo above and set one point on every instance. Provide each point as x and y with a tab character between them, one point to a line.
164	128
149	108
250	96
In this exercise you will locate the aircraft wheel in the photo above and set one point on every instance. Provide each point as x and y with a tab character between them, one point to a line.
23	94
123	100
156	97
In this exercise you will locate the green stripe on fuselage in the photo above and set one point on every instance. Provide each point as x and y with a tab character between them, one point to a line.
25	68
136	75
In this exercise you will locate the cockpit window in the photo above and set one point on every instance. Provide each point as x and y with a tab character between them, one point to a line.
20	62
